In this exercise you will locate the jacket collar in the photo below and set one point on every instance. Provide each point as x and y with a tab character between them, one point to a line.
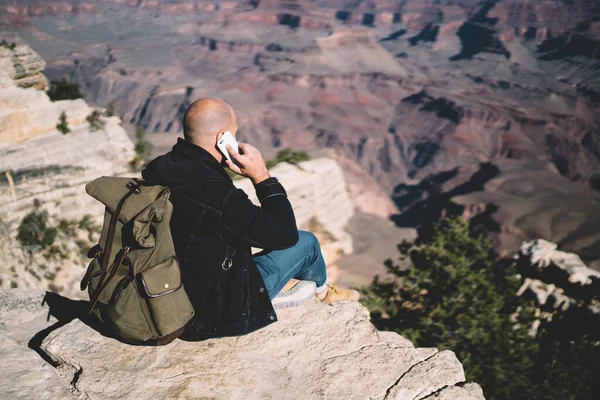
189	151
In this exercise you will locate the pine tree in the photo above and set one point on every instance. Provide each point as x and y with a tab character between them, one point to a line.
95	122
63	125
64	90
110	109
457	296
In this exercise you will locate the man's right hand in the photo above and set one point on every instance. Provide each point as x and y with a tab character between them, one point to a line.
250	164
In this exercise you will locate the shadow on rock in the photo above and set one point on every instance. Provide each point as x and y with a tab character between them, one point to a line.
65	310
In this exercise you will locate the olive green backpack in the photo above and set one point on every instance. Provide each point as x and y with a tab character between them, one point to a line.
134	280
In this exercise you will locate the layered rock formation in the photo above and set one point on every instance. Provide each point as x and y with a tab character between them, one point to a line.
488	90
23	66
37	161
45	170
317	191
401	91
40	8
510	201
319	195
313	351
405	92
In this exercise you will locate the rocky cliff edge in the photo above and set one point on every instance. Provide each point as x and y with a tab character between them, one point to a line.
312	352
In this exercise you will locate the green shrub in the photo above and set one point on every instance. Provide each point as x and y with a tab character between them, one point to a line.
110	110
456	296
63	90
8	45
94	120
143	150
56	252
35	231
63	125
288	155
67	227
87	224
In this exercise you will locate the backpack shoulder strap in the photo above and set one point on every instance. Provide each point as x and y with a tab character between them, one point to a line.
133	187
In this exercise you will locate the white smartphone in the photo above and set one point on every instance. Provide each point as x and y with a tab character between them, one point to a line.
227	139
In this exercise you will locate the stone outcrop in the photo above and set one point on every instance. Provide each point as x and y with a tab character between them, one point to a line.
25	109
557	280
26	375
23	66
43	168
568	267
563	289
36	160
321	200
317	190
314	351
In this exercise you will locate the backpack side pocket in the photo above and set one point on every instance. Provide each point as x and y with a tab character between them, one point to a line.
169	305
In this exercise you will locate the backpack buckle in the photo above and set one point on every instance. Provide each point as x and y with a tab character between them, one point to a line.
227	263
134	186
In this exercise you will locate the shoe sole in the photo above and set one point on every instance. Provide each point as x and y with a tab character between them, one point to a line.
302	293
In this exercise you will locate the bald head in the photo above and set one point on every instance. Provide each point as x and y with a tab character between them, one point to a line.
205	119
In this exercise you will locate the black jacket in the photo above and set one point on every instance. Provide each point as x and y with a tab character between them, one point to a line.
213	222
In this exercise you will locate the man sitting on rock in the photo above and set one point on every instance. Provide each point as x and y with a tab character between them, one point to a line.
214	226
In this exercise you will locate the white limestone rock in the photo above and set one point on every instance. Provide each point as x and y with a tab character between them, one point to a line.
316	189
393	337
546	294
314	351
542	254
39	165
22	66
25	375
27	113
469	391
557	281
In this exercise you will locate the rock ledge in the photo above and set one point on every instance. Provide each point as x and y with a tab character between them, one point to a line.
314	351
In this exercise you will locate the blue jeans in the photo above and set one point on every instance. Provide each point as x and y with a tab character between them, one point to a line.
303	261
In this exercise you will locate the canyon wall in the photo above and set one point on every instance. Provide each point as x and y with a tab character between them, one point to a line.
45	171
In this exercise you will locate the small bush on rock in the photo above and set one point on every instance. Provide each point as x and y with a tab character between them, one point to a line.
289	156
110	110
11	45
34	230
63	90
63	125
94	120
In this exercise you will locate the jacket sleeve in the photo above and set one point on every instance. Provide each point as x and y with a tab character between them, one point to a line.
272	226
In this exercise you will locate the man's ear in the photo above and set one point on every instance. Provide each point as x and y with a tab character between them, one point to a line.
219	136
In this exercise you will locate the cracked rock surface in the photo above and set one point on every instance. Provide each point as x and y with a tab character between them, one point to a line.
312	352
25	375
